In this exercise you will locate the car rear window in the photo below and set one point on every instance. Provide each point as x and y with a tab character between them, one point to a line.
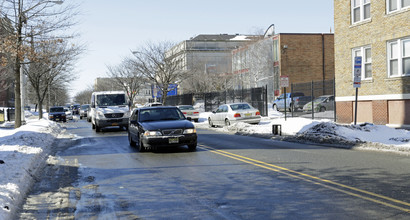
56	109
240	106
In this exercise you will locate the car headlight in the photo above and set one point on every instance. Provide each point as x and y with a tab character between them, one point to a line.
127	114
190	131
152	133
100	114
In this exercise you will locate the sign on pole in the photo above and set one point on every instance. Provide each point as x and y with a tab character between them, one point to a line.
357	73
284	81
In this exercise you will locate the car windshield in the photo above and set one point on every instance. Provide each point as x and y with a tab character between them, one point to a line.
186	107
242	106
320	99
84	107
57	109
160	114
111	99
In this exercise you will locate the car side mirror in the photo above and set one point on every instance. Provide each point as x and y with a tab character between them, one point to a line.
214	112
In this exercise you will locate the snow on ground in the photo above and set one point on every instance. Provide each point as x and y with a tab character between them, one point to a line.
24	149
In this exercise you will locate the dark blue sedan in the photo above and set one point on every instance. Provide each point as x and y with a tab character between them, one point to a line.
161	126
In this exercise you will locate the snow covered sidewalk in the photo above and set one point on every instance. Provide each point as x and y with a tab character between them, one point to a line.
22	152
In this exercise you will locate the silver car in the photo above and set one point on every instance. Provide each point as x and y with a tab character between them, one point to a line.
189	111
321	104
232	113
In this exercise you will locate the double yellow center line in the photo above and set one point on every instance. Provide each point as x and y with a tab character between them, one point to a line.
359	193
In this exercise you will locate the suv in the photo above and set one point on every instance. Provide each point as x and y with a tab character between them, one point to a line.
57	113
84	110
279	103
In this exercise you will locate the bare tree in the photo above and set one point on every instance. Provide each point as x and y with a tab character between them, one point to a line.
160	64
84	96
51	68
30	18
127	76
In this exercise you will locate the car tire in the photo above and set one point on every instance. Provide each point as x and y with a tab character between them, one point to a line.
132	143
81	117
275	108
322	109
211	124
227	122
93	125
141	147
192	147
97	128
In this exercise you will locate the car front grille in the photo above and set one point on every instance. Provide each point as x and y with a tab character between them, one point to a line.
172	131
114	115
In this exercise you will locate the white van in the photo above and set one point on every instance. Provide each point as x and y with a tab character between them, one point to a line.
109	108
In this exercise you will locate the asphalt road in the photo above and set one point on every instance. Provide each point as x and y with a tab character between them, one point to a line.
99	176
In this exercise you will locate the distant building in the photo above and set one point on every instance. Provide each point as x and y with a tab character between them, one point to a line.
210	53
106	84
379	32
6	72
300	56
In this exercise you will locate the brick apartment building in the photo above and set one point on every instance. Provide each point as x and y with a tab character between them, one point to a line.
379	32
303	57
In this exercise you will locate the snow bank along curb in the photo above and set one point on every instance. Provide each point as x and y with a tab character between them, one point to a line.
23	151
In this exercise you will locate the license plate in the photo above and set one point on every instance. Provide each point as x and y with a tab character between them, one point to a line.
173	140
114	124
248	114
190	113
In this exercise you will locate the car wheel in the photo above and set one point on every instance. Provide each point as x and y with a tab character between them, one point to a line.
132	143
141	147
93	125
322	109
275	107
211	124
97	128
227	122
192	147
81	117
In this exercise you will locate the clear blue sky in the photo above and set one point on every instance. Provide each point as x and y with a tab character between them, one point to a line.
111	29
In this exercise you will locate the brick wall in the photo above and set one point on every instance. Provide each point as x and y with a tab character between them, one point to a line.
375	33
302	60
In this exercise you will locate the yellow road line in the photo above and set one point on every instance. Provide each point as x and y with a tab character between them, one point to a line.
313	179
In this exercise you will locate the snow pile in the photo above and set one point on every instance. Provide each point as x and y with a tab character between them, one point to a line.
22	152
365	136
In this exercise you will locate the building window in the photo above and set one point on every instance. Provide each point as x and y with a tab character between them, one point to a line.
360	10
366	54
398	57
395	5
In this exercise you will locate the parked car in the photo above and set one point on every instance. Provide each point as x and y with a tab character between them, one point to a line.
160	126
151	104
321	104
57	113
232	113
189	111
68	114
301	101
279	103
83	110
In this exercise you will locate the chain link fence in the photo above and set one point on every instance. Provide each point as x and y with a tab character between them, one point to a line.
320	93
257	97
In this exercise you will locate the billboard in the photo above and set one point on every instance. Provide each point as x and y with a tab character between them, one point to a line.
156	91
